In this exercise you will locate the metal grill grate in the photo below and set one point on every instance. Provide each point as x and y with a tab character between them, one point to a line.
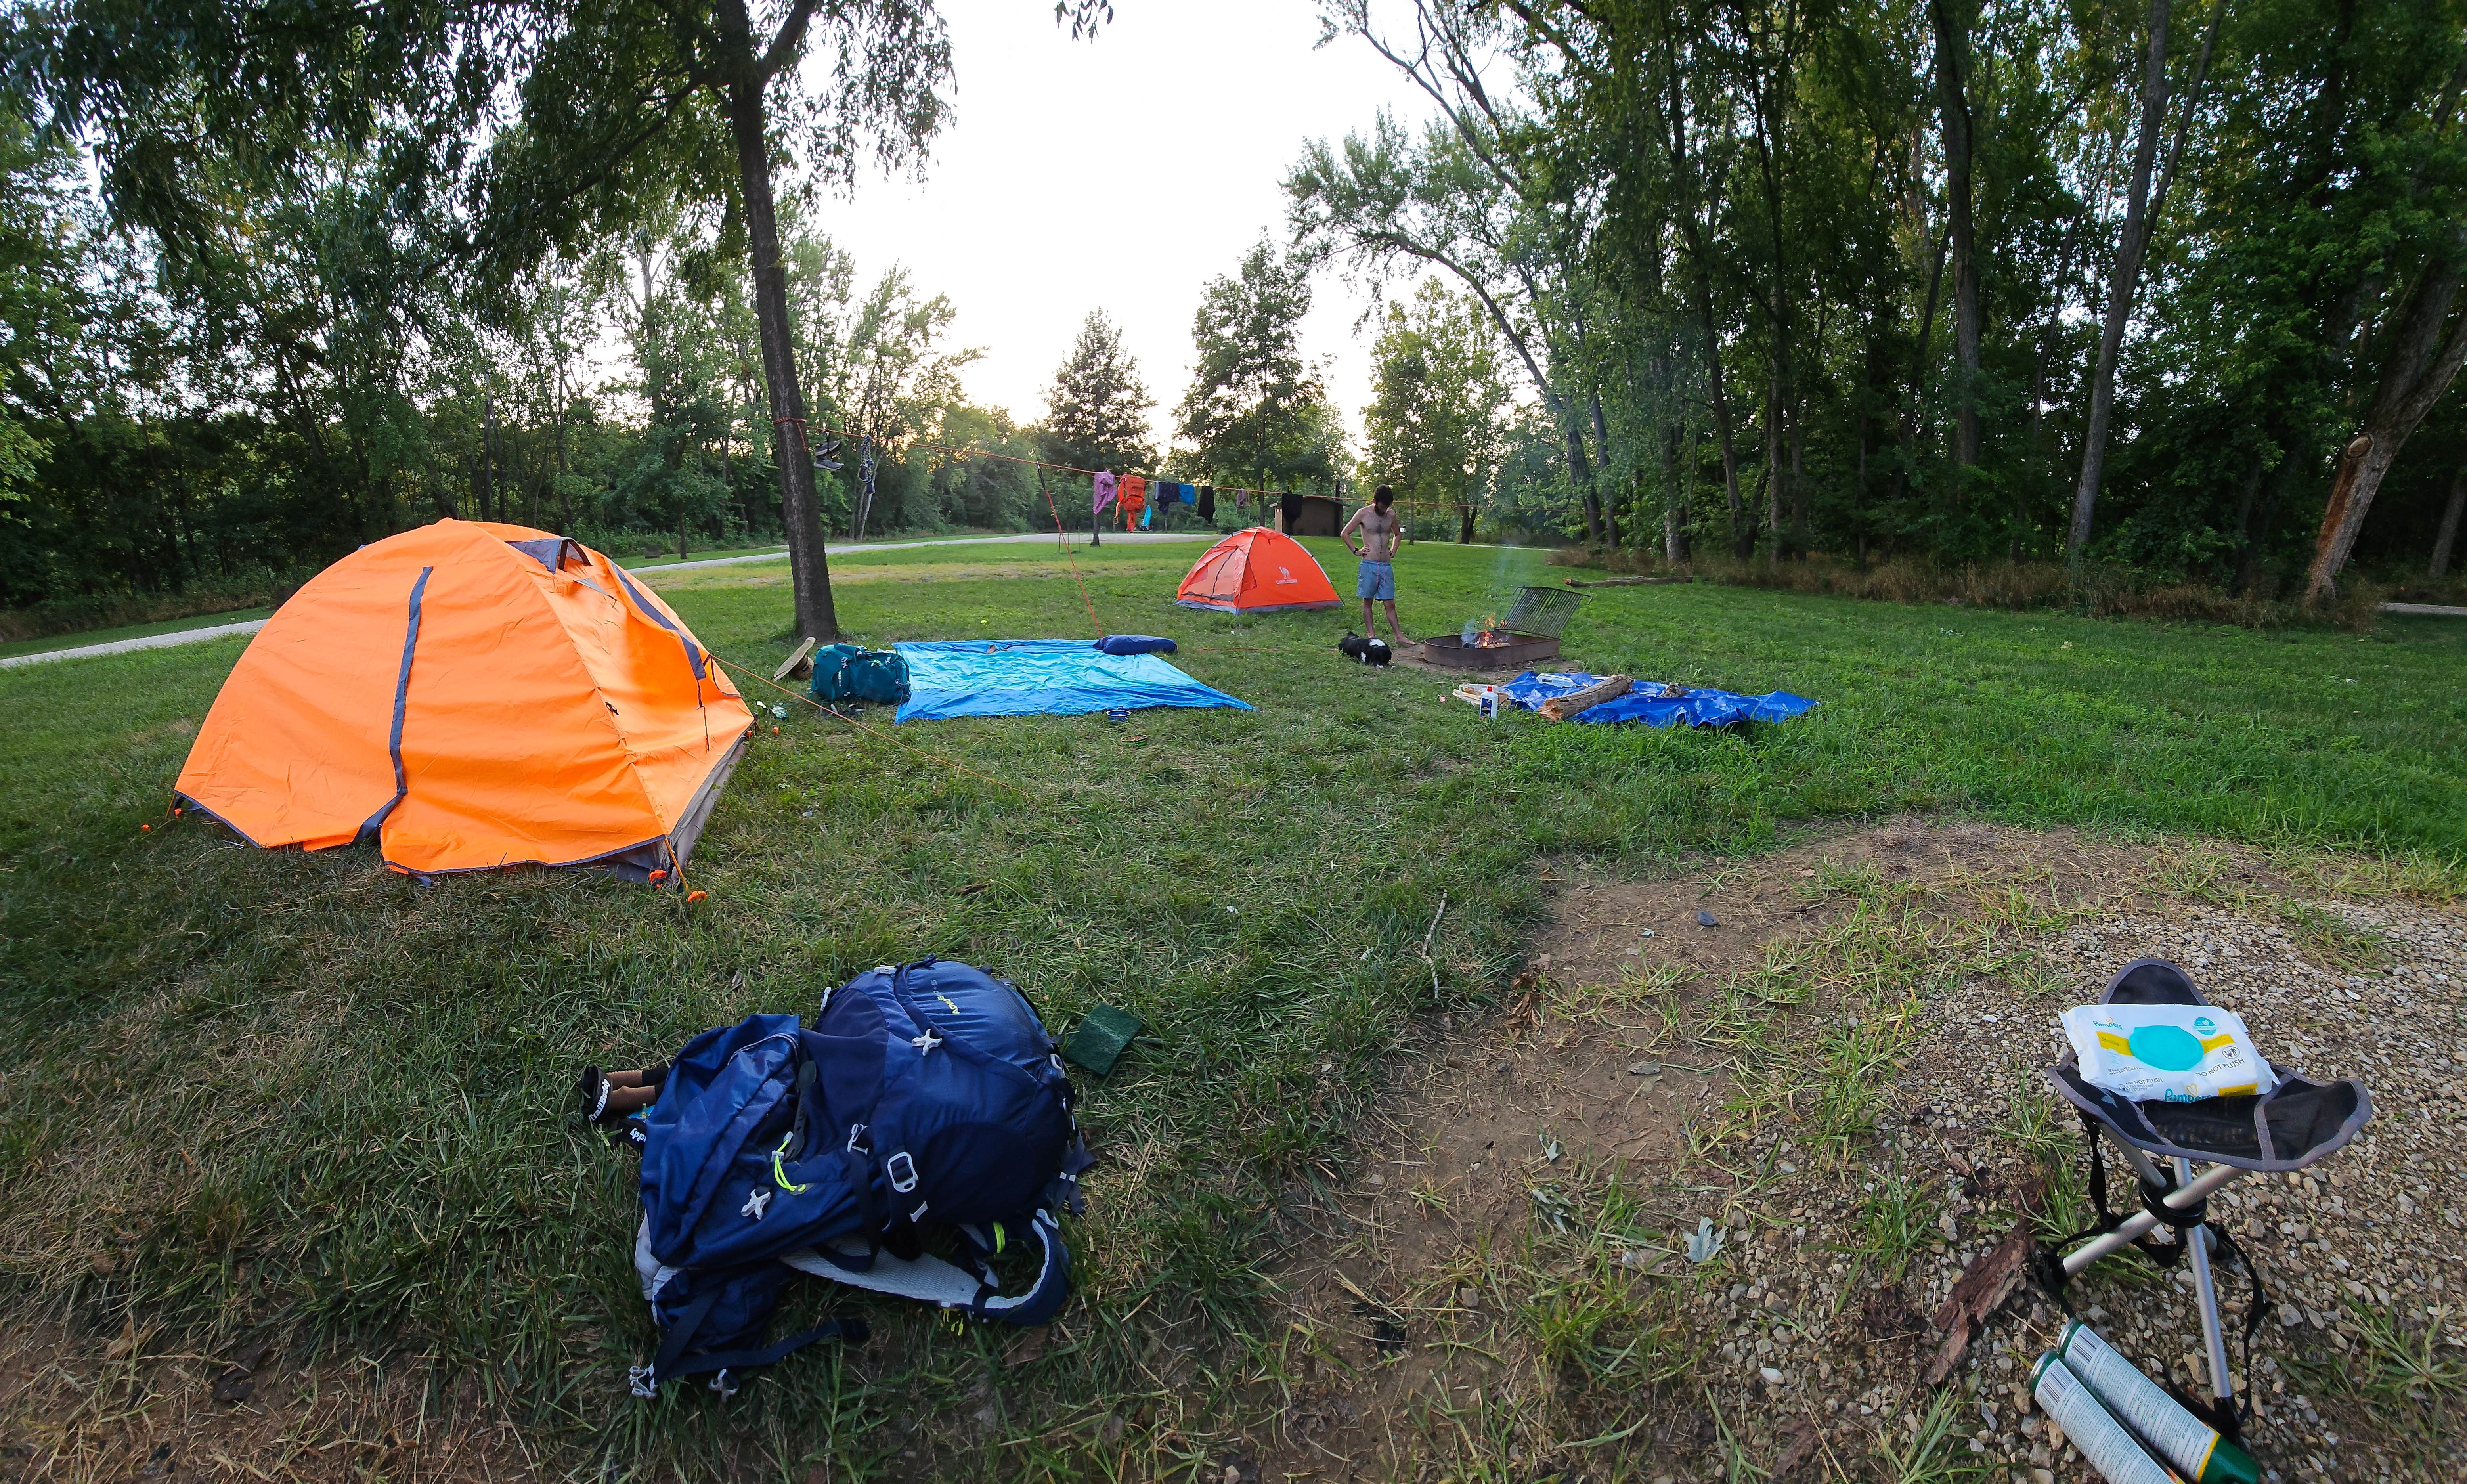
1542	612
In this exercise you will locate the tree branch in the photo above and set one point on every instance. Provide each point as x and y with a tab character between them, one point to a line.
791	36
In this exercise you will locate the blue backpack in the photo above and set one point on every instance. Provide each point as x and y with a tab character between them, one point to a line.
925	1103
851	672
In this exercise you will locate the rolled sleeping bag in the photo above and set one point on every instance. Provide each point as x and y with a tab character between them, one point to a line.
1135	645
2100	1438
2173	1433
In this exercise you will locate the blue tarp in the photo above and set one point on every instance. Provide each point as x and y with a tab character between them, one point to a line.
1646	703
1023	677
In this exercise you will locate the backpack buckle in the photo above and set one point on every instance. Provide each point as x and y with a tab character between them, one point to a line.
640	1380
891	1167
858	1143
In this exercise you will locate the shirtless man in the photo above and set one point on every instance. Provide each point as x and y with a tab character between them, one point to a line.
1378	553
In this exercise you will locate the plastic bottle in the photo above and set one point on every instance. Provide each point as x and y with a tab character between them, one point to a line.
2101	1438
2142	1406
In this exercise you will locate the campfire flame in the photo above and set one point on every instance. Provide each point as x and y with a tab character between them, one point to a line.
1488	632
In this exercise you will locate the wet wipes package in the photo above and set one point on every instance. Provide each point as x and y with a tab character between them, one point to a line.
2176	1053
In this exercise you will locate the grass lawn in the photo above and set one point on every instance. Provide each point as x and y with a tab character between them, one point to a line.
298	1097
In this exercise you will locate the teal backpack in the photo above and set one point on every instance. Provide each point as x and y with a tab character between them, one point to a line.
848	672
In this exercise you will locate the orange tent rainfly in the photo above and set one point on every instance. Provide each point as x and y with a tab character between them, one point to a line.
473	695
1256	571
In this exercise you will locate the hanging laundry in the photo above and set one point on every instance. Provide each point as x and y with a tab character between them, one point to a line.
1104	493
1147	516
1290	508
1208	501
1241	500
1189	493
1131	492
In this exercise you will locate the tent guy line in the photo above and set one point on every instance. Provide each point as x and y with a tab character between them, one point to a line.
832	710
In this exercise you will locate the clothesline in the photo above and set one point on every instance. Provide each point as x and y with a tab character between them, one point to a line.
1040	464
1069	468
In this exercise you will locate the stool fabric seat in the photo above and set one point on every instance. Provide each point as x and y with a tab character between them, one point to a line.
2296	1123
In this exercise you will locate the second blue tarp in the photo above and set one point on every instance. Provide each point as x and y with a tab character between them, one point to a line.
1026	677
1646	702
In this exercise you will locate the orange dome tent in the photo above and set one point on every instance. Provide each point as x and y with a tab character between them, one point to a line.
1256	571
474	695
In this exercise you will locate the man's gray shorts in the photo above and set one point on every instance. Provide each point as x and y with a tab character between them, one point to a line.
1378	580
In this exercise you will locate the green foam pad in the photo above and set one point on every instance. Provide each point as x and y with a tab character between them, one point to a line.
1104	1034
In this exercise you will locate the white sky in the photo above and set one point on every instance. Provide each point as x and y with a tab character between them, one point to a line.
1118	174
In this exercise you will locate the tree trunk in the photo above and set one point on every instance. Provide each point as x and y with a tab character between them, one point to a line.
1742	541
2419	370
564	497
1775	473
2449	533
810	569
1602	447
1674	494
1797	491
1951	75
1675	140
488	455
1915	400
2292	470
2249	500
1580	471
1777	312
2142	209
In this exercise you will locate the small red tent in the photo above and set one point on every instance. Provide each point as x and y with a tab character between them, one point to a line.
1256	571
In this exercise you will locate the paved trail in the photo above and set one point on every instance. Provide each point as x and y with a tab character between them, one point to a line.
119	646
1133	538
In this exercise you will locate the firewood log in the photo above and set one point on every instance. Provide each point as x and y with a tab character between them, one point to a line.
1561	708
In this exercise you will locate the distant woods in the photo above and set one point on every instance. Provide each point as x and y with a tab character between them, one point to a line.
2178	286
2171	284
248	420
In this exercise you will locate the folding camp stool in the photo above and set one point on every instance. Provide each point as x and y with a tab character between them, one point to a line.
2298	1123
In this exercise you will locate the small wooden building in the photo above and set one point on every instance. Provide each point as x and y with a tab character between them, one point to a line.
1322	515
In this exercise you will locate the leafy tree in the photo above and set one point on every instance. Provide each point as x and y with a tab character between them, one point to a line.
1096	414
1437	423
1254	407
43	250
512	129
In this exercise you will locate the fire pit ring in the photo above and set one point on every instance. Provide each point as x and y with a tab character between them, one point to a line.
1519	651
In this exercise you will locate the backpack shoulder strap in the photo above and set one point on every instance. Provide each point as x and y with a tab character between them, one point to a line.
931	1280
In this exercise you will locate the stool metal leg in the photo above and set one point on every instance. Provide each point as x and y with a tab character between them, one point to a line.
2139	1223
2222	1380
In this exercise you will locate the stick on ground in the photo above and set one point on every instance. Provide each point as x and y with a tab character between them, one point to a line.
1986	1284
